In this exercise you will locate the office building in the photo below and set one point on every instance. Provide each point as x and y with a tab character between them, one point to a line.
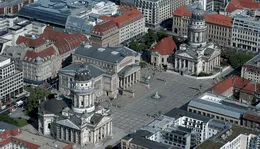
139	140
156	11
11	80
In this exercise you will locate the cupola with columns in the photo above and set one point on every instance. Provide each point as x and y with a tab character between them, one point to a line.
83	92
197	29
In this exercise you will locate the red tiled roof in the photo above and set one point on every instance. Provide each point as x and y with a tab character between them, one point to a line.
240	4
251	117
105	18
65	42
209	18
30	42
251	88
165	47
128	17
30	56
182	11
19	141
101	28
219	19
222	86
226	84
240	82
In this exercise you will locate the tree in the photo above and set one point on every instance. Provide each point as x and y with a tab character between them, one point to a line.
161	35
36	94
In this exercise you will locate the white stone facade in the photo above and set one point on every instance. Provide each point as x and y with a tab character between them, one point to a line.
243	141
11	80
85	123
156	11
198	55
245	33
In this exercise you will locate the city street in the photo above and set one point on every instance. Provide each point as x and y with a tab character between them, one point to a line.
131	114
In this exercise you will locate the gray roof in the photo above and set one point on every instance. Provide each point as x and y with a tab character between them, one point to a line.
253	61
208	52
3	58
53	106
78	25
73	122
56	11
218	108
128	70
10	3
72	68
107	54
177	113
7	126
96	118
17	52
140	138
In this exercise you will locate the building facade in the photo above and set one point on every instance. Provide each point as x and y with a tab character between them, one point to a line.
85	122
12	7
245	34
156	11
42	56
218	107
105	34
248	141
121	66
250	69
11	79
219	27
198	55
162	53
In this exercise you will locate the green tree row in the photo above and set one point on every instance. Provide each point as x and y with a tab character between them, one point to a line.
236	58
147	40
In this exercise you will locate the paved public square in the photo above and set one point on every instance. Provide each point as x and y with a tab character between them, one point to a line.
130	114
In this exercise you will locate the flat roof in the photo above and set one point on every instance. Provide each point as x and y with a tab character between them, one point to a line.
140	138
107	54
218	108
177	113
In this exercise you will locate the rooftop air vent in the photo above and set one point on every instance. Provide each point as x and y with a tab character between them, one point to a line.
101	49
114	52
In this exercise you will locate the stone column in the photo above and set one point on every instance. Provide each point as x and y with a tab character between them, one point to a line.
180	66
105	130
111	130
71	136
134	77
193	67
188	65
61	132
94	137
175	64
84	101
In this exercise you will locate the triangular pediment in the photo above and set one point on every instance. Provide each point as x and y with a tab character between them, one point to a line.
68	123
104	120
184	54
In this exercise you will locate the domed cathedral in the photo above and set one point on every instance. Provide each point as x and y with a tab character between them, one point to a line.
199	54
78	118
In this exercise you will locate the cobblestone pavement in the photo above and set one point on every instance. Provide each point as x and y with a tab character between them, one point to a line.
131	114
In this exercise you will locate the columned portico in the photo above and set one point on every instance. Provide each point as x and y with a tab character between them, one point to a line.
128	79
